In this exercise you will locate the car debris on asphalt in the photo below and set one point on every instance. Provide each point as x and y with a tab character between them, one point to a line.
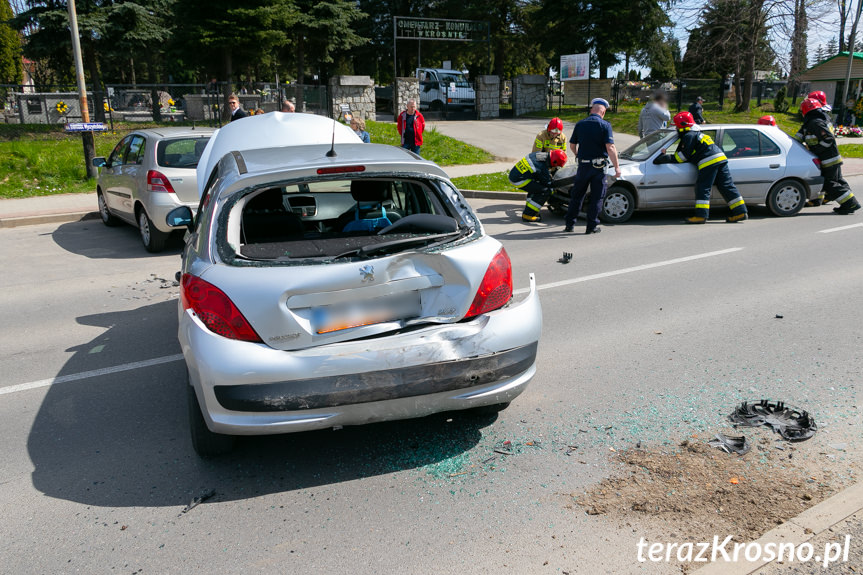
790	423
730	444
197	501
566	258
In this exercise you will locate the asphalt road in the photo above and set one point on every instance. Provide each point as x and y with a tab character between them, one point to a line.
653	333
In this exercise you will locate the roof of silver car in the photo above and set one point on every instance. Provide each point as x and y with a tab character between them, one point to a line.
370	156
170	132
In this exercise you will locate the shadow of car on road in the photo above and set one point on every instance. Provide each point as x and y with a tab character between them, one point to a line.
92	239
121	439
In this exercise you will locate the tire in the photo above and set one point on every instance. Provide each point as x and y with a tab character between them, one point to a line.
618	206
105	214
436	106
205	442
786	198
153	239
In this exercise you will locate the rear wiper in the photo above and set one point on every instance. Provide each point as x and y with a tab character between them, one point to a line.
372	248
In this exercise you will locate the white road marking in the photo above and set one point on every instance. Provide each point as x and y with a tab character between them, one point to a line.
92	373
630	270
831	230
178	357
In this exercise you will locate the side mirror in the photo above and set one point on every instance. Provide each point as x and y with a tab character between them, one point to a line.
180	217
99	162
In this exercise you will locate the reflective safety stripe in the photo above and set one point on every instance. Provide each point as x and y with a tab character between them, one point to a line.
821	196
831	161
734	203
710	160
534	205
798	136
825	144
702	205
520	184
525	166
811	140
844	197
680	157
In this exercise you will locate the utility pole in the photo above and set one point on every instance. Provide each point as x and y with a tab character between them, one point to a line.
89	142
844	106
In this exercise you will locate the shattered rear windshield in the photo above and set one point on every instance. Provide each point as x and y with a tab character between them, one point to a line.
325	221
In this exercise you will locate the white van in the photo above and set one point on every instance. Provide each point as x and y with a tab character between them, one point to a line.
441	88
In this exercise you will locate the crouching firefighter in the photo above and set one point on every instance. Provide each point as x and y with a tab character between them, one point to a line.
817	134
532	174
698	148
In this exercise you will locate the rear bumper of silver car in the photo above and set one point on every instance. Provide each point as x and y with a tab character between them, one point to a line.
251	389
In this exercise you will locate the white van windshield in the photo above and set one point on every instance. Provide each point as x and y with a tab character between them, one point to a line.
453	78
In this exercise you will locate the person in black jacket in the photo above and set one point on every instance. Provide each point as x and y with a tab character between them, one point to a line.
236	111
817	133
699	149
532	174
697	111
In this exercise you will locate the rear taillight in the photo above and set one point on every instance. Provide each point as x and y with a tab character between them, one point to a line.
817	162
496	287
215	309
158	182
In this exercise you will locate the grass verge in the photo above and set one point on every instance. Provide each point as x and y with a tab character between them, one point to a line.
851	150
41	160
496	182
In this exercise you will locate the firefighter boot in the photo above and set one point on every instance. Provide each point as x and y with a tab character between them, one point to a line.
695	220
849	206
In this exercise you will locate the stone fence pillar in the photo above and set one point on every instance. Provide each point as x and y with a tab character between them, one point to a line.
358	92
403	90
529	94
487	97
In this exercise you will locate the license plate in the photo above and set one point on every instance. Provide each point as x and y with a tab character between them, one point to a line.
331	318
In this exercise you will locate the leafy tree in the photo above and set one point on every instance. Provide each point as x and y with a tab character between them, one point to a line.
10	48
662	56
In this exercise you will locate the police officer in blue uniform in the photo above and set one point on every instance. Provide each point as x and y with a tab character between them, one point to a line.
592	142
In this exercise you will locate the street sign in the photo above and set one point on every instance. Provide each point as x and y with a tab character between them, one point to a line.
86	127
346	111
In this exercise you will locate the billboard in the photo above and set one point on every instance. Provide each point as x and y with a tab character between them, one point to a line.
574	67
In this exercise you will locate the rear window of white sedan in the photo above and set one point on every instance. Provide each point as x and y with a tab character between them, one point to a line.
180	152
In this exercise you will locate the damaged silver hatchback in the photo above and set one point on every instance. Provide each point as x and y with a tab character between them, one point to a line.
337	284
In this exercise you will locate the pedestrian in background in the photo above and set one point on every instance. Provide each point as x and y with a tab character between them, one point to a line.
697	111
288	106
358	125
411	125
654	115
237	112
592	142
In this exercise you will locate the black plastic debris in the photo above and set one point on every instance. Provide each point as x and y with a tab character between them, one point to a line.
730	444
790	423
567	257
198	500
779	316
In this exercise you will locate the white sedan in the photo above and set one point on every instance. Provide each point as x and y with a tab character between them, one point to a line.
768	166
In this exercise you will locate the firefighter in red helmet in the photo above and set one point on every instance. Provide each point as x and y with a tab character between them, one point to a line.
817	133
767	121
821	97
532	174
698	148
552	138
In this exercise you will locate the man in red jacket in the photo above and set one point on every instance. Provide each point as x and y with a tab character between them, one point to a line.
411	125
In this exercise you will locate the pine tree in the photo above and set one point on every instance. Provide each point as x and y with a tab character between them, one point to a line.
832	48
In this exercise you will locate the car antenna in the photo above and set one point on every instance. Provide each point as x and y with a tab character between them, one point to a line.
332	153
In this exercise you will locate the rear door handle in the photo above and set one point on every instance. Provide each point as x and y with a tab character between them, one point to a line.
774	166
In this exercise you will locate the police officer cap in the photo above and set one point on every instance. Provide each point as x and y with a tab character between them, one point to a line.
601	101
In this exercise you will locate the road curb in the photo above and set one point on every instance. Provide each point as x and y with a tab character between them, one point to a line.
797	530
488	195
47	219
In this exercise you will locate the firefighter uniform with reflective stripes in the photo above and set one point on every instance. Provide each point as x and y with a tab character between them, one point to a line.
533	175
545	142
698	148
817	133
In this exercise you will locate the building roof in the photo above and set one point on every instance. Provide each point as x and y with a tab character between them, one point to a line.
835	69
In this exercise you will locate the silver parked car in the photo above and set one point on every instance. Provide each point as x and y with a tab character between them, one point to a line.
768	166
149	173
325	286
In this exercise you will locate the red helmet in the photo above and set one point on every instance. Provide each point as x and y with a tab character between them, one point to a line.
808	105
555	125
557	158
818	95
767	121
684	120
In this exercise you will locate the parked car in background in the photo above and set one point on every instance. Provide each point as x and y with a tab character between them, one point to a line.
768	166
325	286
149	173
441	88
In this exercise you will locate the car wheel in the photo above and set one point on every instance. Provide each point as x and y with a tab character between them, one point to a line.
205	442
436	106
107	217
786	198
619	205
152	238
